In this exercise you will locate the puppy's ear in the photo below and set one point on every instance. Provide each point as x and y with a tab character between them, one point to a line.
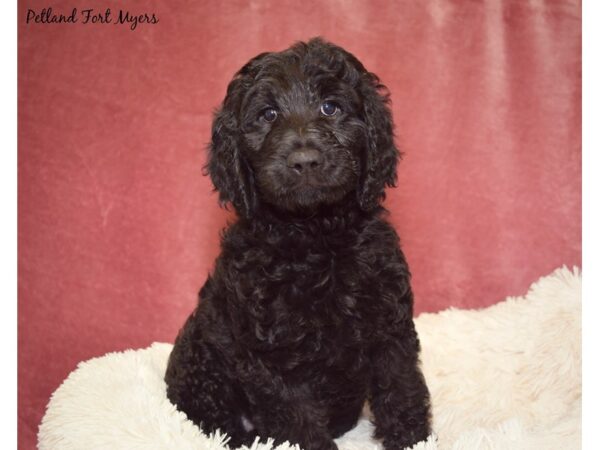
379	167
228	169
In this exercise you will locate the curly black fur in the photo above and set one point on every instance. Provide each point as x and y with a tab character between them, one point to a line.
309	310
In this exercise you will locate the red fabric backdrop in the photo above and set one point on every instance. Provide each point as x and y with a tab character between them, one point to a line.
118	229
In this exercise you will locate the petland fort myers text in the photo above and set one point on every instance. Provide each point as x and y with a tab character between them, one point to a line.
91	16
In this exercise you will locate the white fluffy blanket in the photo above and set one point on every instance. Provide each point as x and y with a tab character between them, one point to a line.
504	377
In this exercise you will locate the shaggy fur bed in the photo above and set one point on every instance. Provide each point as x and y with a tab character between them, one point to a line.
505	377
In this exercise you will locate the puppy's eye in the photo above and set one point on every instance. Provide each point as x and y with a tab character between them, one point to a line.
329	108
269	114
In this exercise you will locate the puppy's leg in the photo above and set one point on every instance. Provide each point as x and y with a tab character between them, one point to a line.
200	385
299	423
288	412
344	398
399	397
345	417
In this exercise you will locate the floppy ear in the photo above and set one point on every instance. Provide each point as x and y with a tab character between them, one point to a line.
227	167
379	169
229	171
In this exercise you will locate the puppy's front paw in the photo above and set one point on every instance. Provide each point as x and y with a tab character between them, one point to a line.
326	445
404	443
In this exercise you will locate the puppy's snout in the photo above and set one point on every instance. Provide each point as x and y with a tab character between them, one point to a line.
304	160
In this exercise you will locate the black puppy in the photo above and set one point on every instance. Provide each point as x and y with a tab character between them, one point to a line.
309	310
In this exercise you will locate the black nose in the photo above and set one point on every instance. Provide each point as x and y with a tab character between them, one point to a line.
304	159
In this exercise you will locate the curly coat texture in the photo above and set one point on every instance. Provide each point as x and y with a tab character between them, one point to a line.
308	312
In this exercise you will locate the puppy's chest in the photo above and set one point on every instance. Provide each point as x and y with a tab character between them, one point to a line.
307	303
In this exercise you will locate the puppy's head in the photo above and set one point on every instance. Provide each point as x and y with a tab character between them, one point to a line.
300	129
